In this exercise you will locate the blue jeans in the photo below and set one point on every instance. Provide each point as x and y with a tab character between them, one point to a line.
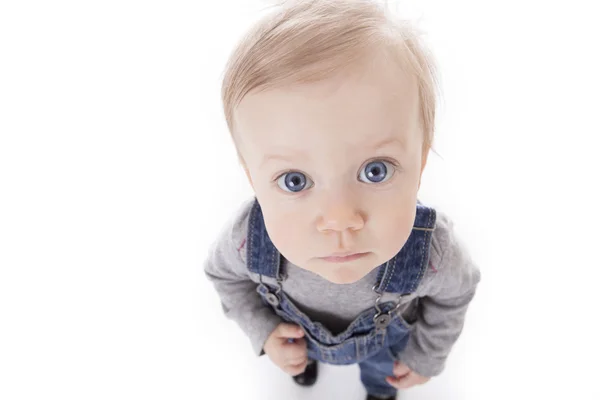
374	336
365	343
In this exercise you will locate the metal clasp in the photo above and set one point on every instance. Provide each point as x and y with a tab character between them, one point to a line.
273	298
381	319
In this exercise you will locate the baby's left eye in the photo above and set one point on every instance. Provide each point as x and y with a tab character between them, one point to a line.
377	172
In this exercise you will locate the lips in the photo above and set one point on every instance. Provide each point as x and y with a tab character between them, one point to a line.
346	257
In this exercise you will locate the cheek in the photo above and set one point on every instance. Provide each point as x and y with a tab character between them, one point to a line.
287	232
393	228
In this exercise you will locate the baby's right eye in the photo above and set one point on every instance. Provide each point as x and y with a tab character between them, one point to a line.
294	182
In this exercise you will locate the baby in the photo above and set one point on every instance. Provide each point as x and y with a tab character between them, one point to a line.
331	107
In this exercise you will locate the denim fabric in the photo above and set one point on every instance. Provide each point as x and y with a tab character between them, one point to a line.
376	334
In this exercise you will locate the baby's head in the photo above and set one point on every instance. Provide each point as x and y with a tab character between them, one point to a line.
331	106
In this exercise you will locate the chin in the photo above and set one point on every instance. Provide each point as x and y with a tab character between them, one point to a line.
342	280
343	274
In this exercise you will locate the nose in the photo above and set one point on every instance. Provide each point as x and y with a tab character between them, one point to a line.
339	216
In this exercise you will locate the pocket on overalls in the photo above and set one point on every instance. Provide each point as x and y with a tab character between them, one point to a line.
407	319
409	316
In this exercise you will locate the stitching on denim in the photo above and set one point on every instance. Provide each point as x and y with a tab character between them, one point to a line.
250	236
274	263
390	274
422	268
271	259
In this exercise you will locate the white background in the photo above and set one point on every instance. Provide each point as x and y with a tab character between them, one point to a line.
117	171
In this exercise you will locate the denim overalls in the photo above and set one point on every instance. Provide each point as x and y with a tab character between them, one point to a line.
378	334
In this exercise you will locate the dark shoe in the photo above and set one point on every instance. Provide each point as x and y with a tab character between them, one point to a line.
309	376
369	397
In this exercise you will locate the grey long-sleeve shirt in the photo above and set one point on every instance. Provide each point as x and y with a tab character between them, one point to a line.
443	295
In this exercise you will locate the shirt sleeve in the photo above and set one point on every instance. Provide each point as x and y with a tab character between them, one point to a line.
226	268
442	308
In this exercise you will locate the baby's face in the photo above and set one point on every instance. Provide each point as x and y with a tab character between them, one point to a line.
336	167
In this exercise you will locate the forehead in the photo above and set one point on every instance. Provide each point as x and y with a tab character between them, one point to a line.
346	110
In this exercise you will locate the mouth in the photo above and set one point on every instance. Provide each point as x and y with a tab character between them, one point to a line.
341	258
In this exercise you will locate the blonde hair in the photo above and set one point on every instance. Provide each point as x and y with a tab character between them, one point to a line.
306	41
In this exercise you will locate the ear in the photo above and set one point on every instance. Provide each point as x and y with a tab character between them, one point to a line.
248	176
243	164
423	163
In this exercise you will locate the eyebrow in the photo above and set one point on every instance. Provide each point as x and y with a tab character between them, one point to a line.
383	143
273	157
389	141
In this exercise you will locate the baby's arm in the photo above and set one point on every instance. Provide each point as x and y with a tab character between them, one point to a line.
451	286
226	269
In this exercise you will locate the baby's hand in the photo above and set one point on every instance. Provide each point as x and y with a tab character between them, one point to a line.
404	377
290	356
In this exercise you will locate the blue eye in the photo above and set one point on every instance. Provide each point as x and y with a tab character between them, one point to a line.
377	172
293	182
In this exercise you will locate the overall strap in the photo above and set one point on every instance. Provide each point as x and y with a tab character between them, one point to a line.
403	273
263	258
